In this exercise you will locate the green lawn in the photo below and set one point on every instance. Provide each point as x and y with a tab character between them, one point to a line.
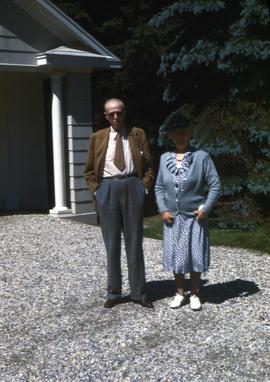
258	240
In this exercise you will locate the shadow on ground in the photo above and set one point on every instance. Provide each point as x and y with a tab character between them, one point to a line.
218	293
214	294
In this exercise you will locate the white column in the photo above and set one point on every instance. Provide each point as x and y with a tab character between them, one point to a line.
58	146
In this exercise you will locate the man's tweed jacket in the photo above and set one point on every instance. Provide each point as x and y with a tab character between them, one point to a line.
97	152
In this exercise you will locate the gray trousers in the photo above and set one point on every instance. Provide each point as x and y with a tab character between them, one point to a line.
120	206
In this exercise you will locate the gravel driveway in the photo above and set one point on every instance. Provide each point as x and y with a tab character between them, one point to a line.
54	328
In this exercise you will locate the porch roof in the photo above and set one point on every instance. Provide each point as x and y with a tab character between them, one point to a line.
52	41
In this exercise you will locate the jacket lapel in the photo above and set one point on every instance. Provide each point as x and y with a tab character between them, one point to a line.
132	143
103	140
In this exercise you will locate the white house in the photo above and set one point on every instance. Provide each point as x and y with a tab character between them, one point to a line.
46	61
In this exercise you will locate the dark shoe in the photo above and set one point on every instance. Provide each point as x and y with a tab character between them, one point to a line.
110	303
145	303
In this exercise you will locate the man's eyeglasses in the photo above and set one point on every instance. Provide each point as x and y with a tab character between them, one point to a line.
112	114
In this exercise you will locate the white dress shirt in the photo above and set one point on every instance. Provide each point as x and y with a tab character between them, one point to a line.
109	168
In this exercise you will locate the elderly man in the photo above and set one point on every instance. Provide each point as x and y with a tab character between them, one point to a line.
118	172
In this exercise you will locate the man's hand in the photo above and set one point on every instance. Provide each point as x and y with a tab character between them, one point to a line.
200	214
167	217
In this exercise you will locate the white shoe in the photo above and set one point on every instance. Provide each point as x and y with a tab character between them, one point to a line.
195	303
177	301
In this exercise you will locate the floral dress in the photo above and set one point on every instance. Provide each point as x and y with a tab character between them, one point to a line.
186	241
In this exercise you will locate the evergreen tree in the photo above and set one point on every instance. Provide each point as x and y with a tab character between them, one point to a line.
123	28
216	71
125	31
77	10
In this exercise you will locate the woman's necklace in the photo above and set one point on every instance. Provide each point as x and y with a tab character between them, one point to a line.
179	157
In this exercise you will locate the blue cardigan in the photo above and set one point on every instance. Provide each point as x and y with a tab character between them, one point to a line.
201	187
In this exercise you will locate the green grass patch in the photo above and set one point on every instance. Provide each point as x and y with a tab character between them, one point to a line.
258	240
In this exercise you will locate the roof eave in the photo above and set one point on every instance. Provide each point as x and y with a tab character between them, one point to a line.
70	25
72	61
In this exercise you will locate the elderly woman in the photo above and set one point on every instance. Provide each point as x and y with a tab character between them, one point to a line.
187	189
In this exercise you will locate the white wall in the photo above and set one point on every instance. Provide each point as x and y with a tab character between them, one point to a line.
79	124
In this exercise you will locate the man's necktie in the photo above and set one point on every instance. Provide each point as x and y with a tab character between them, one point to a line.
119	159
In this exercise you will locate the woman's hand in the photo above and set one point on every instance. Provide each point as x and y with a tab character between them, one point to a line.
200	214
167	217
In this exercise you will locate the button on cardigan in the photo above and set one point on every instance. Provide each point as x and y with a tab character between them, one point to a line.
201	187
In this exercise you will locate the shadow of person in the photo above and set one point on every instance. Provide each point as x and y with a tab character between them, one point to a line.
220	292
214	294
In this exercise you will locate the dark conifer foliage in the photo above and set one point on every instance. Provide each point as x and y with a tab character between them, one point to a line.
208	58
122	26
216	70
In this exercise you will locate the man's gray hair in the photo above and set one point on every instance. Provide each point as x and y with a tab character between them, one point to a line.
114	100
